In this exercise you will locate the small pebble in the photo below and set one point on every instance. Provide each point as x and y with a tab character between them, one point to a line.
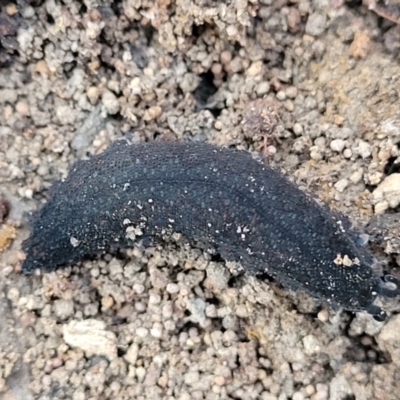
142	332
341	185
347	153
337	145
172	288
316	24
157	330
364	149
110	102
93	94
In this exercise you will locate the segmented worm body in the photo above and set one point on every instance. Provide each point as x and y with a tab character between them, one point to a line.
216	198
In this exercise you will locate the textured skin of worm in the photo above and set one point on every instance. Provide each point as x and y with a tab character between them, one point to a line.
219	198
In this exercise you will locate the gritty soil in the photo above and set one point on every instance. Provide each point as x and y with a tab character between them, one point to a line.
313	85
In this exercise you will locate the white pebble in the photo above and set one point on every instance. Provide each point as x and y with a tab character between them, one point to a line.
262	88
356	176
316	24
154	298
92	337
387	194
142	332
298	396
138	288
132	353
140	307
341	185
311	345
364	149
323	315
135	86
140	373
374	177
337	145
281	95
172	288
315	153
110	102
93	94
63	308
347	153
297	129
157	330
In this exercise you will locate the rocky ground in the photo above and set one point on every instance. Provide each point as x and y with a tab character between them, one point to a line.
170	323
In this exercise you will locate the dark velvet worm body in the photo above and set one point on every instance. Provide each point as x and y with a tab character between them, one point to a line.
215	197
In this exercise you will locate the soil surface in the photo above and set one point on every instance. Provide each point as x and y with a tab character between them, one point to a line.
313	85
